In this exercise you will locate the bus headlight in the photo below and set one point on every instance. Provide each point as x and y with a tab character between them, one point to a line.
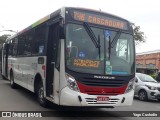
130	86
72	83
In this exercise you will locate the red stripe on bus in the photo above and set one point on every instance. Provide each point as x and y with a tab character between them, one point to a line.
99	90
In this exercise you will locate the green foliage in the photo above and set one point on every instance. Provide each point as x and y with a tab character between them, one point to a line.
3	38
139	36
154	75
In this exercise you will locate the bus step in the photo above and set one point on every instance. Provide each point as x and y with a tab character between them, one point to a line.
50	98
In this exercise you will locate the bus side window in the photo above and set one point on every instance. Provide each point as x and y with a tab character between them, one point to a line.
14	46
28	43
10	48
39	40
21	44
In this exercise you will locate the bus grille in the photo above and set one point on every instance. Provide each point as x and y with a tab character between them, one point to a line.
103	82
111	101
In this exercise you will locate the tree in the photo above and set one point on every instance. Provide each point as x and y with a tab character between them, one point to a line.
3	38
139	36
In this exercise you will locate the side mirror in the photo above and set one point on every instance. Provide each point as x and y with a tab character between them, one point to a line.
136	80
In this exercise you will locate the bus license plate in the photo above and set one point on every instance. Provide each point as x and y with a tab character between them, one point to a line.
102	99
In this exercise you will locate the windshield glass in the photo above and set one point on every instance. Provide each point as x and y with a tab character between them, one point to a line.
145	78
83	56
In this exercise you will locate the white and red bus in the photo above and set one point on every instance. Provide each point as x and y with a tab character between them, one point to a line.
74	57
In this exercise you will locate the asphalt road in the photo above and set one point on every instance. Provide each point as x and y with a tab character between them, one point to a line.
23	100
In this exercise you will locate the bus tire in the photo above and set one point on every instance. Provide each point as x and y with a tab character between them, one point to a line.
4	78
12	83
40	94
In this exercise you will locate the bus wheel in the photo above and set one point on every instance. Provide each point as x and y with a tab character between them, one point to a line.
40	94
4	77
13	85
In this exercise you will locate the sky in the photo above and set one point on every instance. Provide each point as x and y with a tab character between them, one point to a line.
19	14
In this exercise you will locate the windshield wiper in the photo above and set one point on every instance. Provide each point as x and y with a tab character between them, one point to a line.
109	48
114	41
99	49
93	37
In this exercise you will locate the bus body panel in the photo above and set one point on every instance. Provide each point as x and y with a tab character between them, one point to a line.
24	71
30	69
17	66
91	100
63	81
56	86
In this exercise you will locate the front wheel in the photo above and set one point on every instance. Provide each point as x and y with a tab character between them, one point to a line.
40	94
143	95
4	77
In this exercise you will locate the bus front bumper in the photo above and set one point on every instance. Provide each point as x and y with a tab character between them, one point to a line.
69	97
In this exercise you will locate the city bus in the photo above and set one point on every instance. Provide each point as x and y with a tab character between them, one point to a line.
74	57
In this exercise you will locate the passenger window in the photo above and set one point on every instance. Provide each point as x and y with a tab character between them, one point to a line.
14	46
10	48
39	40
21	45
28	43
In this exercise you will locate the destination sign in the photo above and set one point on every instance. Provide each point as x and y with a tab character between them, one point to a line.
99	20
86	63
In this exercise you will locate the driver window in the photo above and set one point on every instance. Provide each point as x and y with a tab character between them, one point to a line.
79	44
122	49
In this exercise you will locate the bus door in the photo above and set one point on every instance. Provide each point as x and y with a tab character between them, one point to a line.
51	57
5	60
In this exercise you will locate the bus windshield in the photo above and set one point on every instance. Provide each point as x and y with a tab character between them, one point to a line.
114	56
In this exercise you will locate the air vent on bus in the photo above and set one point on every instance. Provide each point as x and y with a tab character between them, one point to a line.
103	82
111	101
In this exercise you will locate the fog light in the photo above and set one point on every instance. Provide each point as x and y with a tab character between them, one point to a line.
152	93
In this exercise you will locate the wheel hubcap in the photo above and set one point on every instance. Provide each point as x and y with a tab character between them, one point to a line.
41	94
142	96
